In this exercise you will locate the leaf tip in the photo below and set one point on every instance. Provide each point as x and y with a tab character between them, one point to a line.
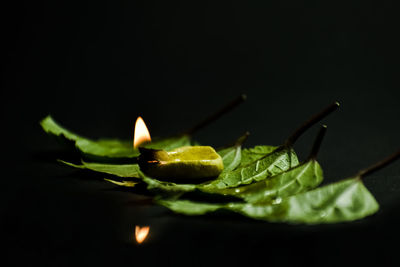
43	121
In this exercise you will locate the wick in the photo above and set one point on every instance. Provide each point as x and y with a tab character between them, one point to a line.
240	99
317	142
379	165
314	119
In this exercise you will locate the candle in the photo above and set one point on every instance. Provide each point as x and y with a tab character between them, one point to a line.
182	162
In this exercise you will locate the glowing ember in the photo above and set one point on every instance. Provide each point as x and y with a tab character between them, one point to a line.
141	233
142	135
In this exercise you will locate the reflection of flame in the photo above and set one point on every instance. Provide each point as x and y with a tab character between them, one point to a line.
141	233
142	135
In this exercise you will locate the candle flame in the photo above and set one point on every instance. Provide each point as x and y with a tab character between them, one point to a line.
142	134
141	233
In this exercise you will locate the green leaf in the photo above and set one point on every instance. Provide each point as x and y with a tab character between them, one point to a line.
250	155
299	179
188	207
108	149
277	161
122	183
347	200
163	187
132	171
231	157
120	170
269	165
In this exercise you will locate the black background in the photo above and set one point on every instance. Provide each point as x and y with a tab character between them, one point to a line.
96	67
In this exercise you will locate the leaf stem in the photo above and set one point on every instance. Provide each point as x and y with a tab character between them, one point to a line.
314	119
317	142
242	139
213	117
379	165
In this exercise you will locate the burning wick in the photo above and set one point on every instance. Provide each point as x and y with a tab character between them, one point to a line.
141	233
142	134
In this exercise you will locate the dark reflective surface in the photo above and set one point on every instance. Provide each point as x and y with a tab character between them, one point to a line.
96	67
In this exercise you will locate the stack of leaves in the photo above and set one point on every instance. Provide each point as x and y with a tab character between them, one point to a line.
263	182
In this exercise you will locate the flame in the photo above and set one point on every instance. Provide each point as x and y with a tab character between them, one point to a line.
142	135
141	233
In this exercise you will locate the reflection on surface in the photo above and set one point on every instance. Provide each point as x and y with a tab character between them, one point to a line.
141	233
